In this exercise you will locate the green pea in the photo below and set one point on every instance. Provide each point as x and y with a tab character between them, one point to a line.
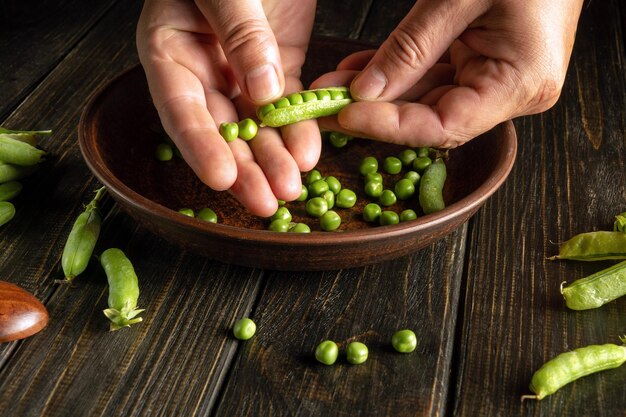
10	190
295	98
388	217
329	196
387	198
11	172
421	163
279	225
356	353
371	212
281	202
315	103
327	352
317	188
392	165
597	289
244	329
164	152
413	176
229	131
304	194
373	189
282	213
339	140
187	212
404	341
300	228
82	239
282	103
247	129
207	215
594	246
263	110
316	206
368	165
404	189
373	176
7	212
407	157
345	199
338	94
123	289
423	152
334	184
323	95
330	221
431	187
308	96
407	215
13	151
312	176
570	366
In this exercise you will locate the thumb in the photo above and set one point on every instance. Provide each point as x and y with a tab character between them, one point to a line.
249	45
413	47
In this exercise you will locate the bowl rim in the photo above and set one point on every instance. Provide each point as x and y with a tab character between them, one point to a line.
127	196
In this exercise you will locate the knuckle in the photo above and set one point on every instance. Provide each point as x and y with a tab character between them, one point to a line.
408	48
246	36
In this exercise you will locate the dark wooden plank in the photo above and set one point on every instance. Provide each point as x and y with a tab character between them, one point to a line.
342	19
77	367
569	178
35	35
383	19
276	373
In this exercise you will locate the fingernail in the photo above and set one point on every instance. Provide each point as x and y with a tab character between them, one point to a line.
370	84
262	83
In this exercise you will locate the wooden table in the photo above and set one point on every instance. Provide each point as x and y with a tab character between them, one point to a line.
484	301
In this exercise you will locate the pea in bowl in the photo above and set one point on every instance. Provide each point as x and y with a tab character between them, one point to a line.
120	130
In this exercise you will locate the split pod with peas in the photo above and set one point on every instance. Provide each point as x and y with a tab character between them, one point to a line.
309	104
569	366
123	289
82	239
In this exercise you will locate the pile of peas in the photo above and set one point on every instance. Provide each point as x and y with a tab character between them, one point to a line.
19	158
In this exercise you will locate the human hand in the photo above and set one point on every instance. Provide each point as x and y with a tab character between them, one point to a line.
212	61
452	70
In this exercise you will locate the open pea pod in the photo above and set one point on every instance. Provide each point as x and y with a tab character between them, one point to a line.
594	246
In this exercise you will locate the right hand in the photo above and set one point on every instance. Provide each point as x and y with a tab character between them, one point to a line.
213	61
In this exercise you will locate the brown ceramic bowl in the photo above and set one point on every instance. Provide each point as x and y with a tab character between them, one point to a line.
120	128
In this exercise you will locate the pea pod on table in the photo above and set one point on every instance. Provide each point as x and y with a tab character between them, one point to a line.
27	136
82	239
7	212
570	366
594	246
9	190
13	151
123	289
597	289
11	172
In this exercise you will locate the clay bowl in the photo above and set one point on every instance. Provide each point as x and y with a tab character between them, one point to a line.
119	130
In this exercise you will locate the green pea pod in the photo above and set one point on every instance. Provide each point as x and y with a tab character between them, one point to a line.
620	223
28	136
597	289
10	172
82	239
9	190
594	246
16	152
431	187
309	104
7	212
570	366
123	289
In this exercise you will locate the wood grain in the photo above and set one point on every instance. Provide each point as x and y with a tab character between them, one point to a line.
569	178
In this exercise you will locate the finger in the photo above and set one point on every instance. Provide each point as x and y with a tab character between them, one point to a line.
335	78
460	114
251	187
413	47
180	100
356	61
249	45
